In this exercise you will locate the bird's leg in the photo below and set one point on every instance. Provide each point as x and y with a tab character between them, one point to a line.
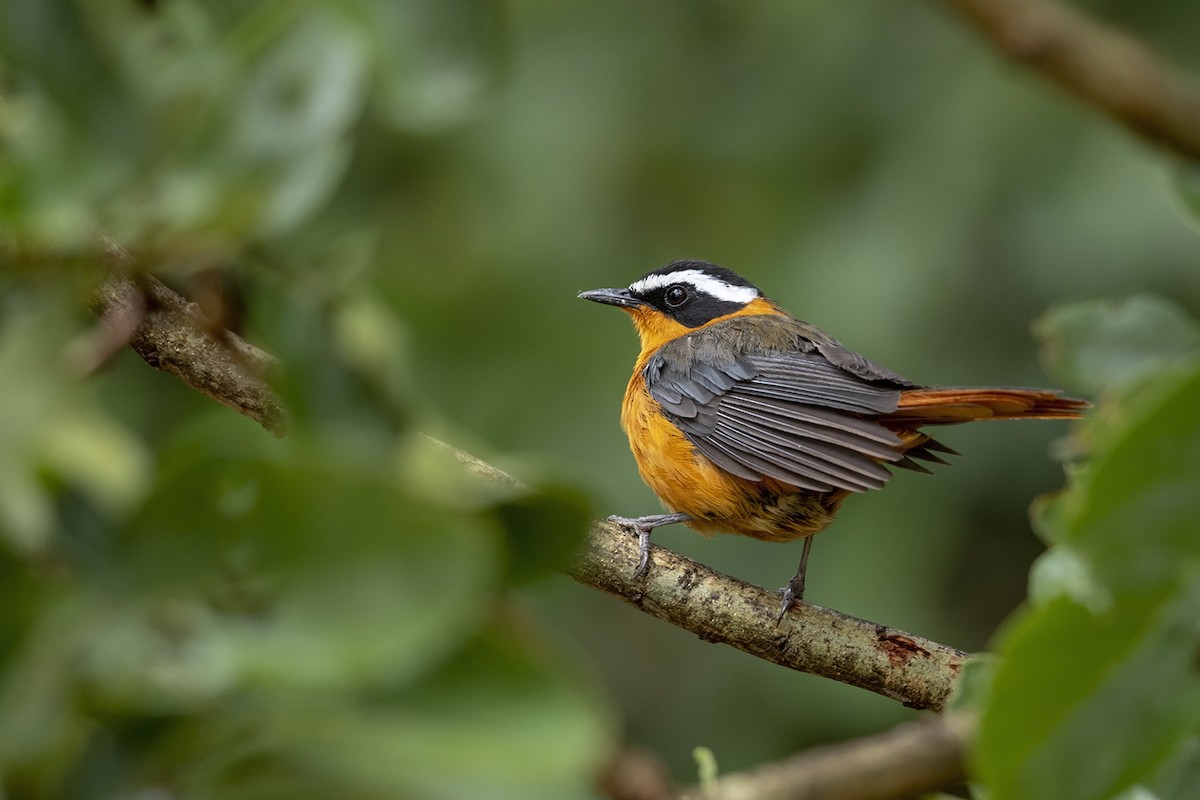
795	589
642	526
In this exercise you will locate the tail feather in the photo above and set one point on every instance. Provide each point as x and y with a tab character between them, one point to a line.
937	447
920	447
953	405
908	463
925	452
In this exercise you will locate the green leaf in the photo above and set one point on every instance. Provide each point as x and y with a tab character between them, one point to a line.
544	523
1098	685
1101	344
290	121
289	618
1062	572
1083	705
707	769
40	724
501	720
974	682
299	567
1135	524
544	528
53	433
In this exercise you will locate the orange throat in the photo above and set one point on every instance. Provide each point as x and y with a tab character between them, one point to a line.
654	328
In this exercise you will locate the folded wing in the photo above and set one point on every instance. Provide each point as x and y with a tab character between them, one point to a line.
790	415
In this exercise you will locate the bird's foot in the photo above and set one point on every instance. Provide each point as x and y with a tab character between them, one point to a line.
794	591
791	594
642	528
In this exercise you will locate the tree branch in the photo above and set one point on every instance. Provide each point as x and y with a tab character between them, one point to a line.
719	608
636	774
172	335
907	761
1101	65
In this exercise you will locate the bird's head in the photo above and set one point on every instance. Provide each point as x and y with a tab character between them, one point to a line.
683	296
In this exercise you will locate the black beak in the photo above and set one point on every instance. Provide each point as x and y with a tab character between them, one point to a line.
612	297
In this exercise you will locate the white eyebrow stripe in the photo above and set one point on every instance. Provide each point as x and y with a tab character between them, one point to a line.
702	281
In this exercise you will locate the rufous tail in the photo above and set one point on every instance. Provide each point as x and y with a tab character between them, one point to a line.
949	406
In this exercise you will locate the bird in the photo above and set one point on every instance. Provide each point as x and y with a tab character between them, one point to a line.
744	419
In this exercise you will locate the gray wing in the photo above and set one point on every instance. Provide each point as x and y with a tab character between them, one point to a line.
793	415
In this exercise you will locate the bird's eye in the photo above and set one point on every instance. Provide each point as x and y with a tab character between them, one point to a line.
676	296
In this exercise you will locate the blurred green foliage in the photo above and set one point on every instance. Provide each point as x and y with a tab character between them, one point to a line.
236	615
405	198
1097	688
1099	346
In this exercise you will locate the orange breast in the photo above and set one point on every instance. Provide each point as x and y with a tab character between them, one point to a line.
668	463
717	501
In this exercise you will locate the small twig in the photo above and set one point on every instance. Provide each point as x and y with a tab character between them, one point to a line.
476	466
170	334
909	760
636	773
1101	65
719	608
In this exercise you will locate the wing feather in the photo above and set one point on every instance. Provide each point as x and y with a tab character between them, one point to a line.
816	460
809	378
789	414
721	456
756	467
797	426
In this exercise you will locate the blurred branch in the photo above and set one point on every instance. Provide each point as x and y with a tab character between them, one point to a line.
636	773
719	608
1101	65
171	335
909	760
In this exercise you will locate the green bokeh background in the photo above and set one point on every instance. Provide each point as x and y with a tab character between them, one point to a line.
448	175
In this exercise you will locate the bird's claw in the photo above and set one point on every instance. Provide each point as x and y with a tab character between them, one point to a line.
643	553
788	599
791	594
642	527
642	531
